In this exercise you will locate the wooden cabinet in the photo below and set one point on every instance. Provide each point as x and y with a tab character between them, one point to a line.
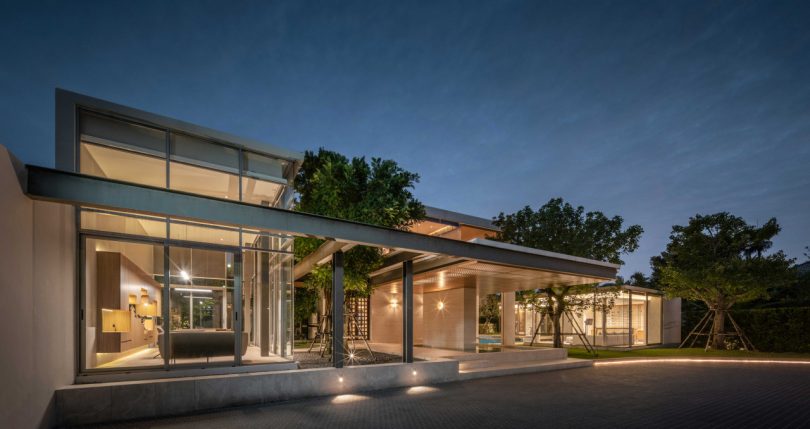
117	278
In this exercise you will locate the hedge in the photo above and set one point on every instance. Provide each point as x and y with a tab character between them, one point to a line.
771	329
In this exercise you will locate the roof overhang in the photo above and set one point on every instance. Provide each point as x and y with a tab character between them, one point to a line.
78	189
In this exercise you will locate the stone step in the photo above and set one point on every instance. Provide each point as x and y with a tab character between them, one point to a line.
514	355
522	368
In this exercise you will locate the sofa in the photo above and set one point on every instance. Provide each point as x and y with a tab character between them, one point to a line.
201	343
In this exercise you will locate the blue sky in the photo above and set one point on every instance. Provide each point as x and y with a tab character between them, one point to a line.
654	111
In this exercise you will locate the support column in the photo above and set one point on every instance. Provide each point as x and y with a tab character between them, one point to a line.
508	318
407	312
337	309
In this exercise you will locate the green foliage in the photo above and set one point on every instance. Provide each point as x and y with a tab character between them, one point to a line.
377	193
720	260
560	227
769	329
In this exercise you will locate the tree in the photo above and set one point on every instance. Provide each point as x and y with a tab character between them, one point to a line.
558	226
721	260
639	279
376	192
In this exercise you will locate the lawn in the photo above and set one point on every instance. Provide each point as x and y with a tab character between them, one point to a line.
675	352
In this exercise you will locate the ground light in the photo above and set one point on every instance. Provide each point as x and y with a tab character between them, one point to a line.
700	360
416	390
347	398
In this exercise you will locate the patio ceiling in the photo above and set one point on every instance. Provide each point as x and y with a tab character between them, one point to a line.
489	278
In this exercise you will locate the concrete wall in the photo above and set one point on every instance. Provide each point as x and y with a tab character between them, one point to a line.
37	262
386	320
672	321
453	326
103	402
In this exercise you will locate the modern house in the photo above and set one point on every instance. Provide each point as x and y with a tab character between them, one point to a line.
151	273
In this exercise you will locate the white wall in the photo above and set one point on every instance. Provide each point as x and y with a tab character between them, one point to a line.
454	325
37	262
672	321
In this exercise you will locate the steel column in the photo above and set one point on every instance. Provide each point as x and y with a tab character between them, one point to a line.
337	309
407	311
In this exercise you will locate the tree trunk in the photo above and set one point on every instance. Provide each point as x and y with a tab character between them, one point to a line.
718	329
556	318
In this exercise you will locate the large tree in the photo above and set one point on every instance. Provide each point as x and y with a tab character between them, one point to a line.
721	260
376	192
560	227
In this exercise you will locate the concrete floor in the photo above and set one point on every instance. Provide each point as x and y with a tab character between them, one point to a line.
637	395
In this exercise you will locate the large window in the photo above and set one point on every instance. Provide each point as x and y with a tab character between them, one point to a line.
123	150
202	295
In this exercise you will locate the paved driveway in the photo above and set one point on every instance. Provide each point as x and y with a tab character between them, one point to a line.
648	395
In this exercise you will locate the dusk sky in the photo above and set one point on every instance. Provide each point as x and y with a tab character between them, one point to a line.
654	111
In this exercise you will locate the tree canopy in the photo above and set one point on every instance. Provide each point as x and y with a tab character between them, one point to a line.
721	260
560	227
376	192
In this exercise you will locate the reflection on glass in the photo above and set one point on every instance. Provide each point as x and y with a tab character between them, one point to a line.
121	223
203	181
261	192
122	302
267	300
201	306
124	165
203	233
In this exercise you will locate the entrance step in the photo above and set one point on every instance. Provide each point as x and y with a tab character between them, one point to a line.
512	368
511	355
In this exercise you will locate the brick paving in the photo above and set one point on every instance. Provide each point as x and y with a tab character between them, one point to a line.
650	395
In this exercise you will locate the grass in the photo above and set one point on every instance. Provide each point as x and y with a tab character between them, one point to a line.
675	352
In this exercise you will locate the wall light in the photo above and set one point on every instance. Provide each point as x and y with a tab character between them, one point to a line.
184	275
414	373
394	302
340	379
440	305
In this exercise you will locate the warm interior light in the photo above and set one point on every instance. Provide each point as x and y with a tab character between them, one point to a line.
340	379
133	299
440	305
185	289
184	275
145	299
394	303
351	355
414	373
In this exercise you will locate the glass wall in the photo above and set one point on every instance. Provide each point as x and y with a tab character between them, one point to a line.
166	293
654	318
634	318
124	150
122	304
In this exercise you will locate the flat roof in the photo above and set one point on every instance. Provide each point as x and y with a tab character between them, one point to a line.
71	100
442	215
79	189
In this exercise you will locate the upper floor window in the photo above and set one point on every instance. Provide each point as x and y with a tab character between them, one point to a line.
136	153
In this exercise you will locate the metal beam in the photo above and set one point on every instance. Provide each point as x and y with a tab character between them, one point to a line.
325	250
337	309
407	312
72	188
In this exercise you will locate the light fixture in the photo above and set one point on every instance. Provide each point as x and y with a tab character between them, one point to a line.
340	379
229	265
185	289
394	302
440	305
145	299
414	372
184	275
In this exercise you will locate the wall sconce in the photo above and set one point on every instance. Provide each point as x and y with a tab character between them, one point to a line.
440	305
394	302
